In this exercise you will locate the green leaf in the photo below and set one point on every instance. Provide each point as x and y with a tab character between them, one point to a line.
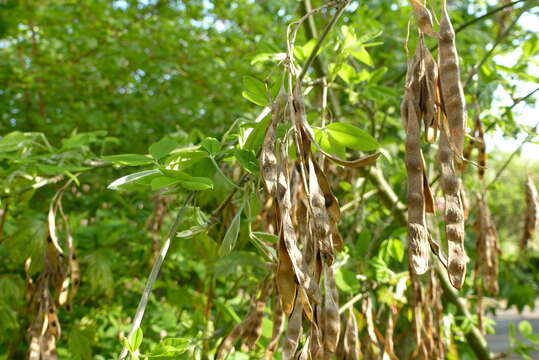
185	180
360	53
162	182
263	57
13	141
80	342
171	347
128	159
256	137
247	160
255	91
346	280
131	178
211	145
162	148
78	140
136	339
231	236
351	137
525	328
272	238
196	183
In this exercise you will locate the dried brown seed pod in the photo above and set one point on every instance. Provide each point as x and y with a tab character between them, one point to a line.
450	84
332	323
532	214
351	344
453	215
278	326
269	168
293	332
423	18
487	247
417	230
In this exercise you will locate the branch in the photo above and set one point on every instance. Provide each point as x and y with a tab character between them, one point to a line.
515	103
318	63
474	338
510	158
465	25
321	39
494	46
155	271
488	14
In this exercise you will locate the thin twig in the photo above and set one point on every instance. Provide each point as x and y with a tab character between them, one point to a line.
464	26
321	39
155	271
498	41
486	15
513	154
515	103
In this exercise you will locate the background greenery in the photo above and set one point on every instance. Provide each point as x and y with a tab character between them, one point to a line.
82	80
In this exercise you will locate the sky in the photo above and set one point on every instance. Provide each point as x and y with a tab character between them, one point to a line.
527	114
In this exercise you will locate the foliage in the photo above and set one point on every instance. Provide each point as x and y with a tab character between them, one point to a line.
159	99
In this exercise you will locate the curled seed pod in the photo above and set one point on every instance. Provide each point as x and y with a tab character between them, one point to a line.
48	347
228	342
293	332
532	213
351	345
302	124
285	278
34	348
418	188
250	328
268	161
316	348
388	348
465	202
482	149
320	218
253	323
278	326
53	323
423	18
450	84
453	215
417	230
332	324
332	206
366	310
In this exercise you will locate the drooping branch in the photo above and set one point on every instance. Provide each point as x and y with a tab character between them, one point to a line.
155	271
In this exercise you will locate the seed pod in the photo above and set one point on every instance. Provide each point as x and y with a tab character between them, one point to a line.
453	215
48	347
482	150
423	18
332	322
302	124
53	323
532	214
293	332
332	206
388	348
417	231
285	278
451	87
253	322
228	342
320	217
268	161
351	345
278	326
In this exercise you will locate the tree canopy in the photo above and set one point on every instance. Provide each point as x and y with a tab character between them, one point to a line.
141	140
